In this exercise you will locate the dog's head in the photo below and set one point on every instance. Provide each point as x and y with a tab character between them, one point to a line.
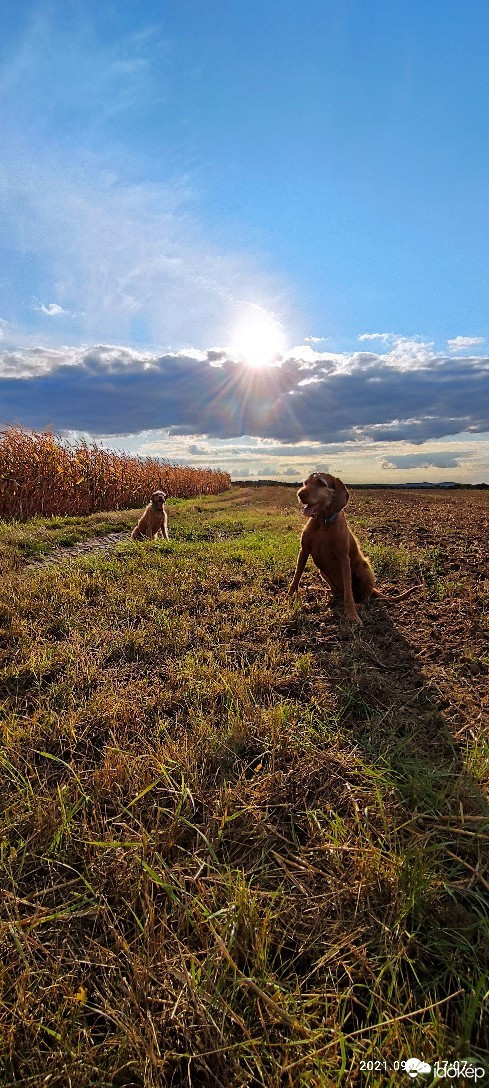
322	495
158	499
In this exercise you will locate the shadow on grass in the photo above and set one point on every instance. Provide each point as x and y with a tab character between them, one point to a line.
394	718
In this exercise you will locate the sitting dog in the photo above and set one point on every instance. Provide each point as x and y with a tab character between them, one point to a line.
334	548
154	521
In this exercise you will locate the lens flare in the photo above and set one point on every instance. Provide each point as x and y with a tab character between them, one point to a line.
258	339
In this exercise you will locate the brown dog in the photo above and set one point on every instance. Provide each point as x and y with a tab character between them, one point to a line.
334	548
154	521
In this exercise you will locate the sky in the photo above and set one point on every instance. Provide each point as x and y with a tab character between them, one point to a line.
251	235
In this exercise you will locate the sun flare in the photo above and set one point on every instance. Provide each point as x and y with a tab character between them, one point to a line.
258	339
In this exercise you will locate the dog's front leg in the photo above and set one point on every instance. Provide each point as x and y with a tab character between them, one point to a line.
299	571
348	589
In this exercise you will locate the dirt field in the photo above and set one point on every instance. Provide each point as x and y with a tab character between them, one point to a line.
243	843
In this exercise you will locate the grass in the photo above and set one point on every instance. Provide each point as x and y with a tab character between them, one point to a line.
35	538
241	843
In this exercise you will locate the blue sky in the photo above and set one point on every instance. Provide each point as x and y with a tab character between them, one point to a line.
250	234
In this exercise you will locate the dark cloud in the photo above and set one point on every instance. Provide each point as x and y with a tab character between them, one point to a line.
322	398
196	450
215	356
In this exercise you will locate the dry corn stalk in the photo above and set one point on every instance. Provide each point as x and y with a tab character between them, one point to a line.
42	475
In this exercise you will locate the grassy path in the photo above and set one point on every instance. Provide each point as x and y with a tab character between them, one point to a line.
92	544
243	844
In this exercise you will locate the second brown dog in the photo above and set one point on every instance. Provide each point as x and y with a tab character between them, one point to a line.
154	521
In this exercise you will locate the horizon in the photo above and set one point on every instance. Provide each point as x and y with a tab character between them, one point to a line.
250	239
354	483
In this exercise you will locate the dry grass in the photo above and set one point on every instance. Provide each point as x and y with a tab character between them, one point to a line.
42	476
241	844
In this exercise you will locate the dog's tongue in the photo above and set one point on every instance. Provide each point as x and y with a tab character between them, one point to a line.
309	511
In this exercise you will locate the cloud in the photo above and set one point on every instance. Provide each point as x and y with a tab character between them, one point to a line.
354	398
407	351
35	362
196	450
462	343
386	337
421	460
53	309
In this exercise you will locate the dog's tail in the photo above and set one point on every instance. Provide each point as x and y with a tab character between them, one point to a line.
398	597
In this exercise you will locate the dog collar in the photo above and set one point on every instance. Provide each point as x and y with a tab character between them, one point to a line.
331	519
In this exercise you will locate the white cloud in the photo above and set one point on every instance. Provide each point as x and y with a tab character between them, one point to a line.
384	336
52	309
462	343
408	352
35	362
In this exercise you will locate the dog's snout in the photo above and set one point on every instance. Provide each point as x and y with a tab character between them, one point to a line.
302	494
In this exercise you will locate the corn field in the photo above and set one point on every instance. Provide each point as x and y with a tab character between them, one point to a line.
43	476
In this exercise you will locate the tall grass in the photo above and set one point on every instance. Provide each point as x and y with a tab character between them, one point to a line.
42	475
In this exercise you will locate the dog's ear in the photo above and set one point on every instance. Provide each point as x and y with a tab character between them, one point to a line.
341	493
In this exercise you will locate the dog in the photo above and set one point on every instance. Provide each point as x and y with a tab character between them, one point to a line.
334	548
154	521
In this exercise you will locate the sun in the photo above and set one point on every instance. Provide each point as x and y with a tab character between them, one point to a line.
258	338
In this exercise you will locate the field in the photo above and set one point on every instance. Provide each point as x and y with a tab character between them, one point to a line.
243	843
41	474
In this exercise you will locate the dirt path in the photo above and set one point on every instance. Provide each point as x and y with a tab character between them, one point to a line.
93	544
